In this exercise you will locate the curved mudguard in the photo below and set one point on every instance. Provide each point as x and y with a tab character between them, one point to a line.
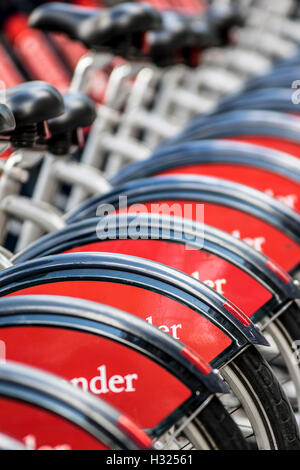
241	123
266	212
137	272
212	151
271	99
279	77
47	392
188	232
111	323
215	190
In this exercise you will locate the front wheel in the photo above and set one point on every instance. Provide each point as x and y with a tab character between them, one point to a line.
263	411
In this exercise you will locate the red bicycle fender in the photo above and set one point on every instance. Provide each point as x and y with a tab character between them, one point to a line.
260	235
125	378
169	315
42	430
276	143
227	279
275	185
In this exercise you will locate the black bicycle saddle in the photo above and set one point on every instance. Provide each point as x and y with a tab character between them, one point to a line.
170	38
201	33
7	120
222	19
79	112
97	29
34	102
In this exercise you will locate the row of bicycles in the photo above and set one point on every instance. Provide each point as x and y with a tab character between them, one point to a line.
150	227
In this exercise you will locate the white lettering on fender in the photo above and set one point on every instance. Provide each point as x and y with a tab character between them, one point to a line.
289	200
30	443
172	330
256	242
217	284
102	384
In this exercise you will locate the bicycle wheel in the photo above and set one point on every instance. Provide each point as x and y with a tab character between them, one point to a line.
249	387
285	333
212	429
257	404
179	391
272	424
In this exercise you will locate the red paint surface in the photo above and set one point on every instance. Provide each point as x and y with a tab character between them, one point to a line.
240	287
196	331
44	429
73	354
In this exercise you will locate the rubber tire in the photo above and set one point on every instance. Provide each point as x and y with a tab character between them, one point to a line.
269	398
291	322
217	428
288	325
